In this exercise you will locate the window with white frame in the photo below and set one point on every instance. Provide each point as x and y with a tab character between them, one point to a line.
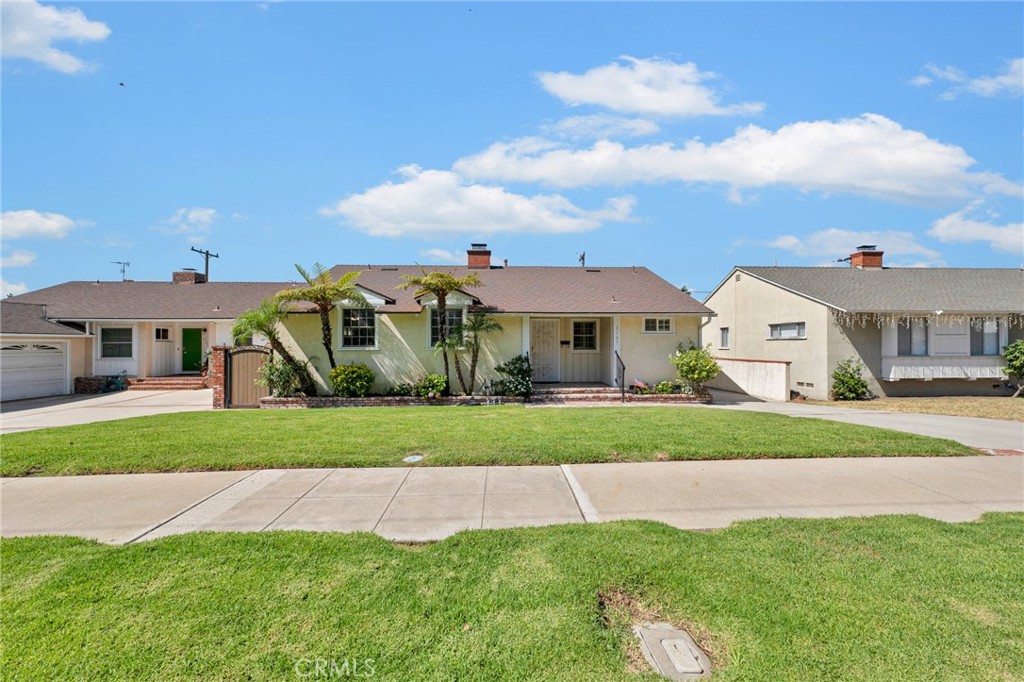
162	334
984	336
584	335
788	330
116	342
657	325
723	337
912	336
455	320
358	328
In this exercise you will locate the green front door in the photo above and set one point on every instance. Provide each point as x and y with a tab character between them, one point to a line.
191	350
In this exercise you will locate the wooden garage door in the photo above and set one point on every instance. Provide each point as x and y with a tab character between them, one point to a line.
30	370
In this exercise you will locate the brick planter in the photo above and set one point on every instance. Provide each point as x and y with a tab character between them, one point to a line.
380	401
89	384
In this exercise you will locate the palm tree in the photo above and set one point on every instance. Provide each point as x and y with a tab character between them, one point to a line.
323	292
264	320
440	284
477	325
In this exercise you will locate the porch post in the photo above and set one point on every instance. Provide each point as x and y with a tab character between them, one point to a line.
616	348
526	335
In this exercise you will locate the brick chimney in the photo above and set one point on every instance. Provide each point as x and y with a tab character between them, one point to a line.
866	257
188	276
479	257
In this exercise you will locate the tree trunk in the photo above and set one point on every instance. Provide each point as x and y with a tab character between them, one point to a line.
473	357
458	373
325	331
306	382
442	338
1020	389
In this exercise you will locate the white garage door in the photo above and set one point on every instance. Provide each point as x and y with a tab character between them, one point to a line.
30	370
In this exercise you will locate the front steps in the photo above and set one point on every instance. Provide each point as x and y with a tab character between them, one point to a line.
172	383
555	394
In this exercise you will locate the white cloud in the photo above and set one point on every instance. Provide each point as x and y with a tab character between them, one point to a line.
444	256
868	155
835	244
1009	81
239	217
646	86
12	288
963	226
17	259
194	223
597	126
30	29
434	202
22	224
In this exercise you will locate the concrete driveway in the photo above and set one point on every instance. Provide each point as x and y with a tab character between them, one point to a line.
422	503
989	434
41	413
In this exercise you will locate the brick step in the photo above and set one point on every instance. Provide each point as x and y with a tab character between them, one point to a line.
167	384
610	398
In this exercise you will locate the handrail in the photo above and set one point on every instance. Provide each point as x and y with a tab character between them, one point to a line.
622	375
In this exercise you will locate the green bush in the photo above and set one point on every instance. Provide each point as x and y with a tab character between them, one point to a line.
665	387
280	378
517	378
847	382
431	386
1014	356
695	366
352	381
400	389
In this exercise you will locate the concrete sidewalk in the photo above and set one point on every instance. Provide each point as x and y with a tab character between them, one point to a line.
991	434
66	410
421	504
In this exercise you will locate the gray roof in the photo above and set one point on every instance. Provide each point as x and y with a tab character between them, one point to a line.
894	290
544	290
151	300
29	318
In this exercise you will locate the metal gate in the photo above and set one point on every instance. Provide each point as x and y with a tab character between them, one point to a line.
241	371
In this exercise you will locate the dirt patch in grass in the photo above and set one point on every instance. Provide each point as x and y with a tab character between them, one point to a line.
1005	408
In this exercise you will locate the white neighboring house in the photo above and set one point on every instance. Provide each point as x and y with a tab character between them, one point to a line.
918	331
38	357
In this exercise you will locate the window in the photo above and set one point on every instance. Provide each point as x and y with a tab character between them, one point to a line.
358	328
984	336
912	337
788	330
584	335
454	316
116	342
162	334
657	325
723	337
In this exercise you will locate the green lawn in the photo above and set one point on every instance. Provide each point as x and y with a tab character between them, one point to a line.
445	435
892	598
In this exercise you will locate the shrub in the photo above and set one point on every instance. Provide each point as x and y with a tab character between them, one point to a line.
695	366
1014	356
847	382
517	378
431	386
401	389
352	381
641	387
665	387
280	378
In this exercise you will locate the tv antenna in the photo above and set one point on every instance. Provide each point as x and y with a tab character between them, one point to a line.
206	257
124	267
583	259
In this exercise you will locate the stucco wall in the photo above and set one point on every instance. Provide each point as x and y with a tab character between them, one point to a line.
748	306
402	354
767	379
646	356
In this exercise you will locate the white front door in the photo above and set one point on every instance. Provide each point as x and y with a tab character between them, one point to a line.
544	350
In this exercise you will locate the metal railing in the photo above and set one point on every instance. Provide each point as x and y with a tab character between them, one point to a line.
622	375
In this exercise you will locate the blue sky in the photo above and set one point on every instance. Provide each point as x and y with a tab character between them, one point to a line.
685	137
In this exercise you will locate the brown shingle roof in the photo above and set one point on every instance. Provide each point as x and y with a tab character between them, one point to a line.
29	318
150	300
544	290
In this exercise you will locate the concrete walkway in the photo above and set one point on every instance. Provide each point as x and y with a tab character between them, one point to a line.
422	504
65	410
990	434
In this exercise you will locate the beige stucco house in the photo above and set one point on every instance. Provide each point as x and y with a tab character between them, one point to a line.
918	331
574	323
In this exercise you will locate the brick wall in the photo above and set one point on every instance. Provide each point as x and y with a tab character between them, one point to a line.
379	401
217	376
89	384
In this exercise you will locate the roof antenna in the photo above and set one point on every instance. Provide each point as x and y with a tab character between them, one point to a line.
124	268
583	259
207	255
